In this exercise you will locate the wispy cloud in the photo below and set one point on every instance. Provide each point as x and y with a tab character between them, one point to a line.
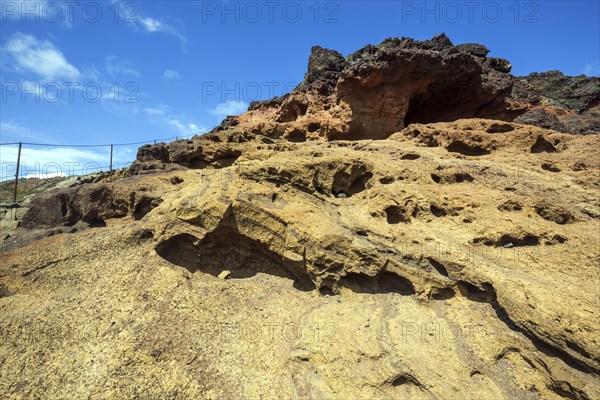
230	107
40	57
171	74
153	25
592	68
116	67
13	131
160	109
185	129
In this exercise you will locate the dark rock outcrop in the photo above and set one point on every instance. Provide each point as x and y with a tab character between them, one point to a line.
577	93
91	203
324	68
381	89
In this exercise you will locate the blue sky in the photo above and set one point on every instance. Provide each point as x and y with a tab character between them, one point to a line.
133	71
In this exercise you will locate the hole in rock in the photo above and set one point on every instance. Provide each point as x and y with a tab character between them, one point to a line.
292	111
386	180
313	127
509	241
527	240
351	183
499	128
144	206
404	379
510	205
438	212
474	293
97	223
439	267
296	136
146	234
226	249
541	145
410	156
394	215
442	294
326	291
462	177
386	282
466	149
226	161
557	239
180	250
554	214
458	177
550	167
444	100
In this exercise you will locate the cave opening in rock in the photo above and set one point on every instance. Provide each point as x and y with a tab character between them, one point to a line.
144	206
352	182
385	282
226	249
448	99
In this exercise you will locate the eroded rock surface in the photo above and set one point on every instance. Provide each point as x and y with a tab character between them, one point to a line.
271	259
381	89
459	261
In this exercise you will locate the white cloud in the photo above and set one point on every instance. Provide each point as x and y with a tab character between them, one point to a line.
114	66
183	129
154	25
40	57
171	74
161	109
41	175
592	69
41	162
52	161
19	133
149	24
230	107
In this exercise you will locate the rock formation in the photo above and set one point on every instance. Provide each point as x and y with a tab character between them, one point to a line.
370	235
381	89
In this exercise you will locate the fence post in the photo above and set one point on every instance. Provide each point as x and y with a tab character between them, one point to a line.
111	157
17	173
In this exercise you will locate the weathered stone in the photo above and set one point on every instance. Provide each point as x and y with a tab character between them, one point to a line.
354	268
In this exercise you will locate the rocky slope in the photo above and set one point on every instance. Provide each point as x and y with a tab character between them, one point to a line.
433	260
381	89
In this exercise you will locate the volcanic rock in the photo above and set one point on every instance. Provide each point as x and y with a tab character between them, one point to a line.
425	256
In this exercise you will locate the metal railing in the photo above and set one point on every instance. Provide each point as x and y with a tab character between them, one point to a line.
110	146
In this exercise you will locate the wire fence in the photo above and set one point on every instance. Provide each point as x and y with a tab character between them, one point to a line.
99	145
60	168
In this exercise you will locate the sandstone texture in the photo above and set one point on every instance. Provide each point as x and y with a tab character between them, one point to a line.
343	242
